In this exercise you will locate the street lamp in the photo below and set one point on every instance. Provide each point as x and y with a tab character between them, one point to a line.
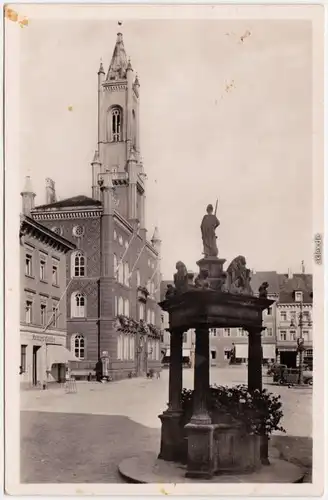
299	322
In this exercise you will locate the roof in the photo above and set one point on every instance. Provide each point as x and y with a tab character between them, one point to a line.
75	201
29	224
271	277
119	63
298	282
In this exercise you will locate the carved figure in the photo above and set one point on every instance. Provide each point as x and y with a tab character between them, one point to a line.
181	278
208	226
238	279
263	290
202	279
170	291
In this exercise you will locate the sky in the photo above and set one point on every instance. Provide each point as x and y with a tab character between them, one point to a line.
225	110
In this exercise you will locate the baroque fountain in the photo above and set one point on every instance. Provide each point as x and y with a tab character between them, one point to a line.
207	444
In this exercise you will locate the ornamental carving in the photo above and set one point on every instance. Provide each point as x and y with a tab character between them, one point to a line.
239	277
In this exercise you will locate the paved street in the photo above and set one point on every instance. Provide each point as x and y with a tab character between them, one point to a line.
82	437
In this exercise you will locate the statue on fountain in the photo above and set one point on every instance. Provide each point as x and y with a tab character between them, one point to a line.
208	226
239	277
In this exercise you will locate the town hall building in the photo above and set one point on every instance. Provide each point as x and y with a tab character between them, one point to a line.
113	276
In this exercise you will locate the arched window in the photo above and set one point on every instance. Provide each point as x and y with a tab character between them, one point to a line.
78	305
78	264
138	278
120	346
78	346
134	129
127	307
126	274
141	311
148	316
115	266
132	347
116	124
120	306
121	273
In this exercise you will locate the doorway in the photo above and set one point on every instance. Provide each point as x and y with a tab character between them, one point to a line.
35	365
288	358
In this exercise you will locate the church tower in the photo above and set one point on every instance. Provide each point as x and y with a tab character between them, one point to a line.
118	149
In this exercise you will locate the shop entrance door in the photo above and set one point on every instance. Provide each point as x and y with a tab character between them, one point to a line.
35	365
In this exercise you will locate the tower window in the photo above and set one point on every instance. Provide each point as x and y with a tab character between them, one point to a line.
116	125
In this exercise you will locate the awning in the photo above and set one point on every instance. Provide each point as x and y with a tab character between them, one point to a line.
241	350
185	353
269	351
57	354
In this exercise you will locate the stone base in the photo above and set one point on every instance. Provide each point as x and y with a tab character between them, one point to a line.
172	439
147	469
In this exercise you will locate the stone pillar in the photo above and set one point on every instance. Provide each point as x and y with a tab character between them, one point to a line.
172	434
200	463
255	357
201	377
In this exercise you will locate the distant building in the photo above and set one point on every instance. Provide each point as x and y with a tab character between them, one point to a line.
43	326
113	277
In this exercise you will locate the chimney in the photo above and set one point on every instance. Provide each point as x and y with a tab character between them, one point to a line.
50	191
27	197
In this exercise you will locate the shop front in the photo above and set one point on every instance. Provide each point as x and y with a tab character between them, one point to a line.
268	350
44	358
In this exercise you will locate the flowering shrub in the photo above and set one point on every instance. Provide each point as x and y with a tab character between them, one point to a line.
259	411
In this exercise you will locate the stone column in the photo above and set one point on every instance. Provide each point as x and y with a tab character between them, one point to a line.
200	431
255	357
201	377
173	447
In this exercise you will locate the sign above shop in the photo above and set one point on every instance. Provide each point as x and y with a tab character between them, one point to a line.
44	338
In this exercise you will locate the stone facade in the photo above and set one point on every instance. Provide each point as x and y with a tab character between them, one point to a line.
43	325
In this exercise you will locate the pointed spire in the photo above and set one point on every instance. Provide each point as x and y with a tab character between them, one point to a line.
119	63
101	70
96	158
129	68
136	82
156	236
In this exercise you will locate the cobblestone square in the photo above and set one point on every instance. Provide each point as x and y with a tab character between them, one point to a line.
82	437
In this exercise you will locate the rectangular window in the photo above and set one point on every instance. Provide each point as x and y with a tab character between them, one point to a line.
298	296
43	311
306	316
23	358
269	311
305	335
213	354
43	270
28	311
226	332
55	315
283	335
283	315
240	332
269	332
292	335
28	265
55	274
185	337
